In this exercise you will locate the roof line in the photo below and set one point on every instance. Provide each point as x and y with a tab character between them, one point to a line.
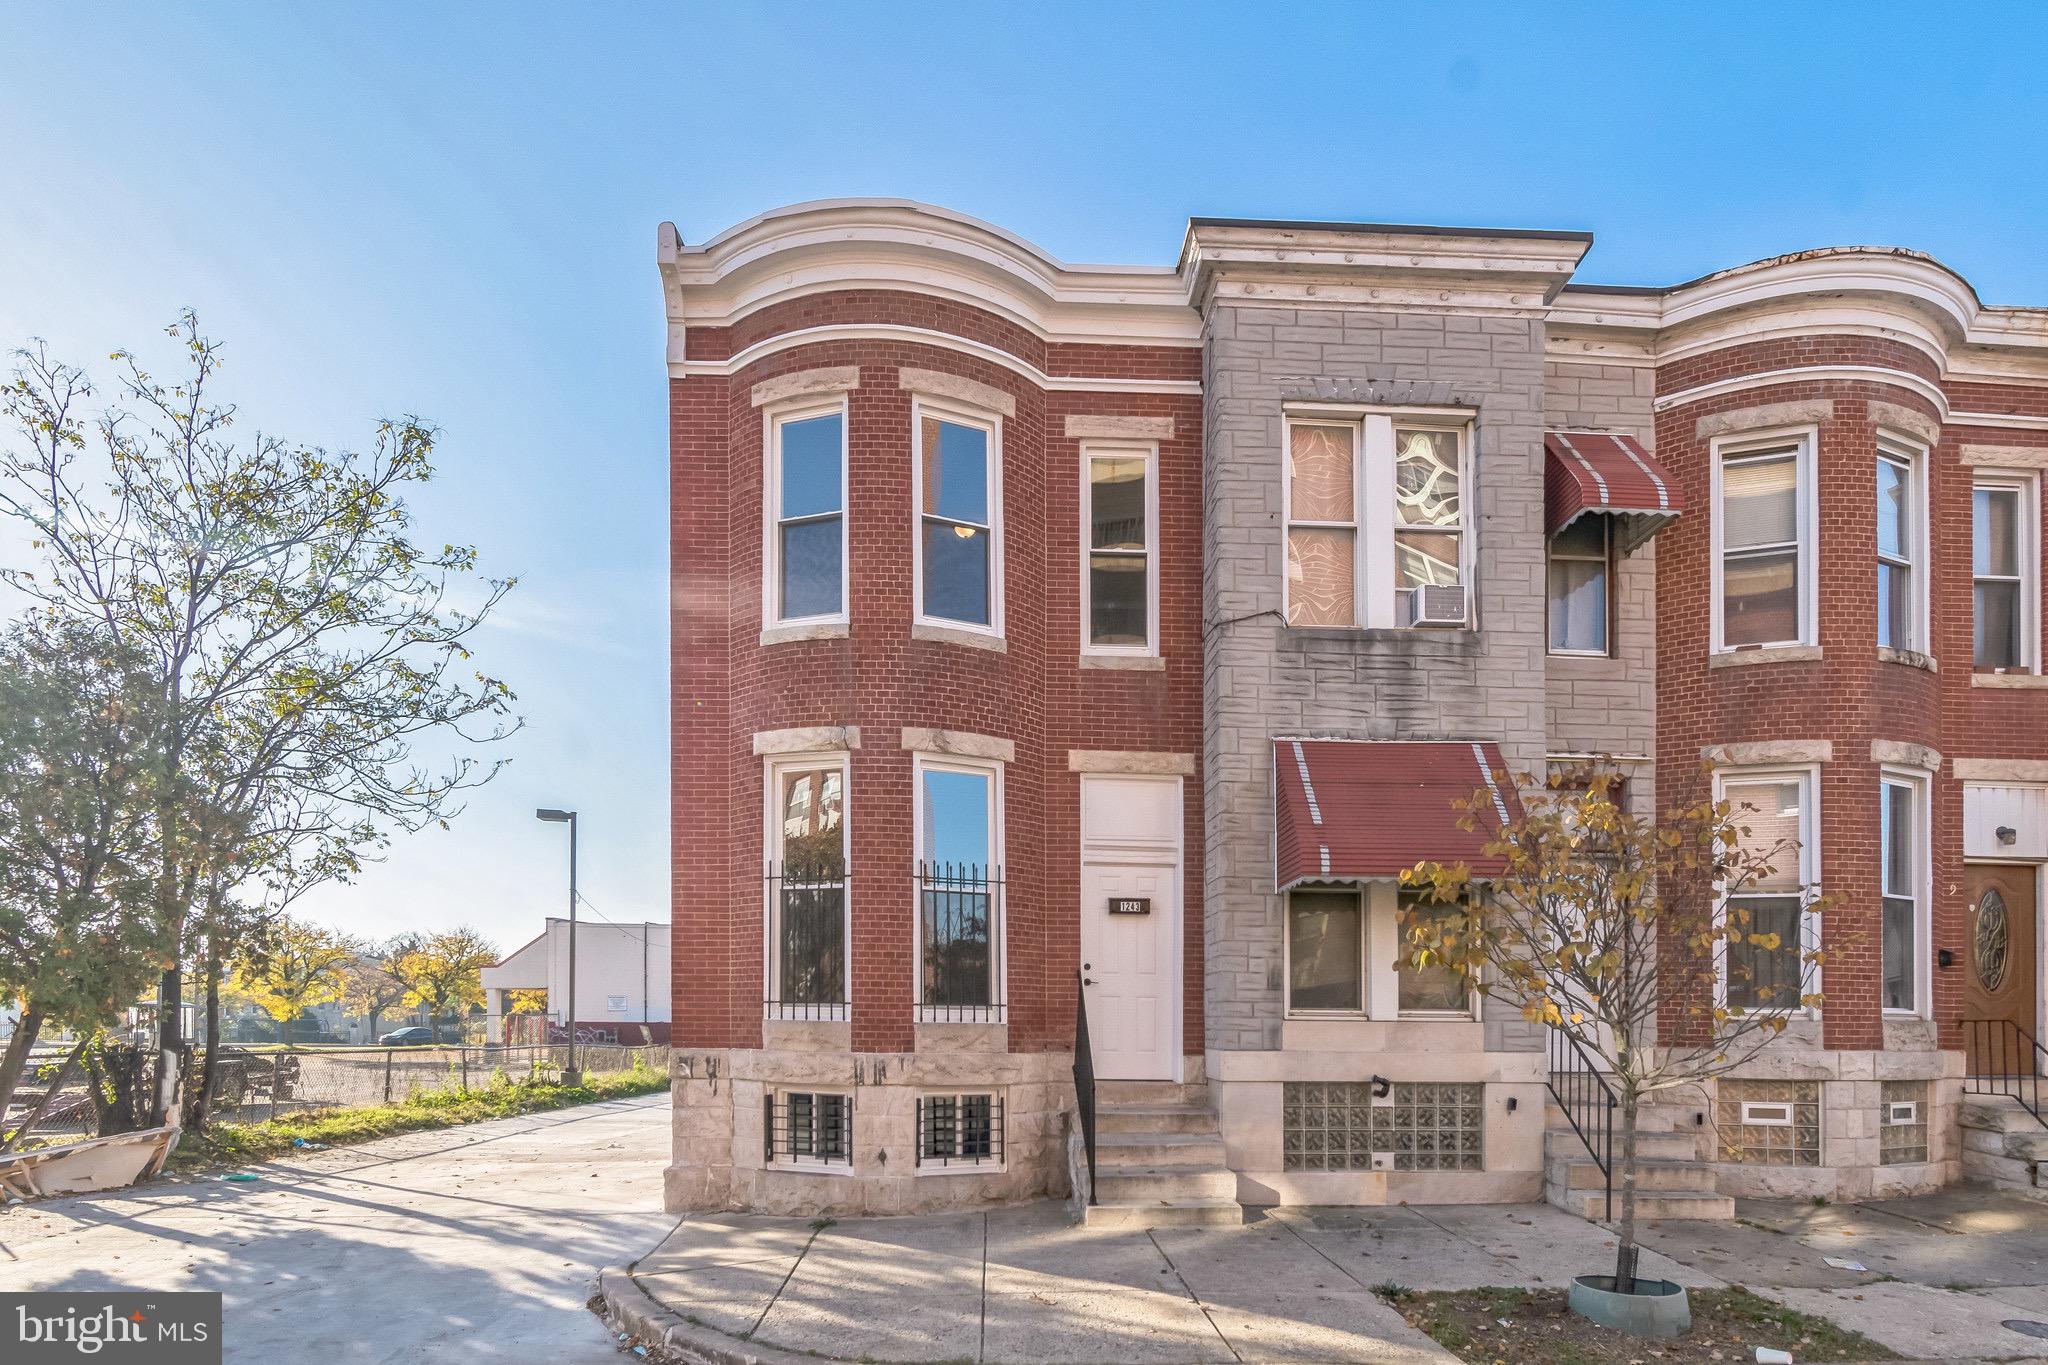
1423	229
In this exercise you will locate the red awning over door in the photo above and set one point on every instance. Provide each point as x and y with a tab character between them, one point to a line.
1356	810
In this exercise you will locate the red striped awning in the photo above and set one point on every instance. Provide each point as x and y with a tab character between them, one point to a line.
1604	472
1360	810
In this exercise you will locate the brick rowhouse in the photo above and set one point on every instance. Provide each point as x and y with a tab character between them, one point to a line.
1252	1039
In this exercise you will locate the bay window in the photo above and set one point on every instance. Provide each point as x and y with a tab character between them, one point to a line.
807	888
1763	532
1776	812
1901	858
959	891
804	577
1377	520
959	554
1900	538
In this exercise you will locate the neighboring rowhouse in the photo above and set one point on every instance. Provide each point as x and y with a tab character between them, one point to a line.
1044	630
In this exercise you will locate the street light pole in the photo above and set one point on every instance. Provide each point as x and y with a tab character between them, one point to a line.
570	1075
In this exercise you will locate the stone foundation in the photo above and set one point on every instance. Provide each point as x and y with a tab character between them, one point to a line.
1851	1086
1249	1090
720	1164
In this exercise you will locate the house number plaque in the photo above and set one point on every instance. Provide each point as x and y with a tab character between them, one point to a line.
1130	905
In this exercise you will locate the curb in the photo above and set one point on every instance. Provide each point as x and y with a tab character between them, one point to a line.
629	1308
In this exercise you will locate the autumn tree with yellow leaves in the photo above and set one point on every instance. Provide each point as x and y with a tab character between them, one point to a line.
1628	935
290	967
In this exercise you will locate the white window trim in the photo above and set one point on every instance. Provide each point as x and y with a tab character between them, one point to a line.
1372	488
980	1165
1360	893
1388	909
773	768
1911	1118
922	763
991	422
1913	455
1149	453
1922	835
811	1165
2027	487
1807	440
773	417
1782	1111
1809	867
1608	579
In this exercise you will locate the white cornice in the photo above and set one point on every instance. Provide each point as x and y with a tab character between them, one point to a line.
840	244
1387	267
1793	374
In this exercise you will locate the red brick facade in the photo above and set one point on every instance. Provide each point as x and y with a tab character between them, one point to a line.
879	678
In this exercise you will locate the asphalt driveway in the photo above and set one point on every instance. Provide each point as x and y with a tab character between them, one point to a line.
474	1243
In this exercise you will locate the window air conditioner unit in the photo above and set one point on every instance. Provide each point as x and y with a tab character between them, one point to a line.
1436	605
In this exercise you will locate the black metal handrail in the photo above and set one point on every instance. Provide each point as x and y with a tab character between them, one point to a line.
1575	1082
1084	1077
2001	1058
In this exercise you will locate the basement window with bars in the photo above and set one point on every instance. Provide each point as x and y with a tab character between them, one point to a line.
1415	1126
1769	1123
959	1131
1902	1123
809	1128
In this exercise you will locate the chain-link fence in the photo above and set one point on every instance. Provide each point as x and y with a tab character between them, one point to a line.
260	1085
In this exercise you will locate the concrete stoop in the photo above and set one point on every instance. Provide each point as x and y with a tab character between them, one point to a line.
2004	1146
1159	1158
1671	1179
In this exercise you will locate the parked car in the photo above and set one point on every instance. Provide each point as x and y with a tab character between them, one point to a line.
419	1035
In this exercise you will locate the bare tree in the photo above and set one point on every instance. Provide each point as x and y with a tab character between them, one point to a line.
1625	934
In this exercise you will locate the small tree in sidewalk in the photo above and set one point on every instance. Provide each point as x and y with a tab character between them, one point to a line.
1628	935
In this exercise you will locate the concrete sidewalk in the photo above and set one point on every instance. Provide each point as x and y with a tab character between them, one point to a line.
1025	1285
476	1243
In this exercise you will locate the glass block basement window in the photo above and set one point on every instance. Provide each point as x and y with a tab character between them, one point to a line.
1769	1123
1902	1123
1418	1126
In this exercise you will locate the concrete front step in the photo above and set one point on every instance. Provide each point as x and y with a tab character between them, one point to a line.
1999	1114
1592	1204
1664	1176
1151	1092
1162	1184
1152	1118
1147	1214
1562	1143
1159	1149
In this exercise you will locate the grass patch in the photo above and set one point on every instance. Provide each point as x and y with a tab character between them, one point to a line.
1536	1327
239	1144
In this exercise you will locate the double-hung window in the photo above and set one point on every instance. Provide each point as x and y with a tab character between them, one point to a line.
1900	549
1581	562
959	508
1326	950
805	578
1377	520
1764	533
959	891
2003	571
807	888
1764	966
1902	860
1120	564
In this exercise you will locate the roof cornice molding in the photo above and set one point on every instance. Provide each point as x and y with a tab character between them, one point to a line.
1395	267
1887	292
841	244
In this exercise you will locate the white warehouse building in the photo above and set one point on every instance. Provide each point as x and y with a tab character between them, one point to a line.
621	978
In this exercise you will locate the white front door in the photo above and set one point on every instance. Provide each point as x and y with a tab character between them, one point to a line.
1130	924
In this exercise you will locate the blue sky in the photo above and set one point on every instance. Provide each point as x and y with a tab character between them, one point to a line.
451	210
